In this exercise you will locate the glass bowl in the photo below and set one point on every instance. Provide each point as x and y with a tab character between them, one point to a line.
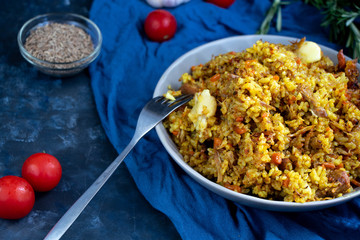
58	69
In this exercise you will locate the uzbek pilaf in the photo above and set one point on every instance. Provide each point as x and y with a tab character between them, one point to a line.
280	122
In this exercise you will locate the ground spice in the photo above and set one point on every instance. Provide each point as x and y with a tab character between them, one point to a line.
59	43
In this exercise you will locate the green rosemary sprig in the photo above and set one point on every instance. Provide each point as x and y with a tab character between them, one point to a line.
339	17
274	9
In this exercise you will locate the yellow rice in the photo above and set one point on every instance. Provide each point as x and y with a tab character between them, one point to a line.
283	129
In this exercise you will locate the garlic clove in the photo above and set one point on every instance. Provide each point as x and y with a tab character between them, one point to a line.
309	52
165	3
155	3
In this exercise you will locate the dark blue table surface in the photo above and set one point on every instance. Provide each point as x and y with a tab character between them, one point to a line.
39	113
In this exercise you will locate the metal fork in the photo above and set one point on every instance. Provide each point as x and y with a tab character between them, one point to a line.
153	113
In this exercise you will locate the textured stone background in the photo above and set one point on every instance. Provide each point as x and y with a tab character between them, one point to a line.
39	113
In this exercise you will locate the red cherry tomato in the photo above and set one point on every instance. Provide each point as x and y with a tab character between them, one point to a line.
43	171
160	25
222	3
17	197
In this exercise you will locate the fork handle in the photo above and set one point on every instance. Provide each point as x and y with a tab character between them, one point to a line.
75	210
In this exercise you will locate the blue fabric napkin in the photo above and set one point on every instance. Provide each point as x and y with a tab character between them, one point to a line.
123	80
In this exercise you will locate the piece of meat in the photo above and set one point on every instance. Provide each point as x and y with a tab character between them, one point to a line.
342	178
341	60
284	164
188	88
349	67
352	73
217	160
315	106
297	44
302	131
307	139
353	95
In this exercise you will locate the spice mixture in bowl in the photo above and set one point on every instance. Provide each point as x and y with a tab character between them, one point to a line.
60	44
278	122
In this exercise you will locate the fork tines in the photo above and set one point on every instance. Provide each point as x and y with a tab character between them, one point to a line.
164	100
179	100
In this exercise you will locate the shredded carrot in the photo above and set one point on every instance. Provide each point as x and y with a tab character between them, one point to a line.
276	77
193	68
232	53
240	130
276	158
249	62
215	77
298	60
232	187
239	119
292	99
328	165
354	182
217	142
175	133
286	182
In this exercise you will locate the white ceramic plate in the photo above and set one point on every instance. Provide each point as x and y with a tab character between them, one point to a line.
202	55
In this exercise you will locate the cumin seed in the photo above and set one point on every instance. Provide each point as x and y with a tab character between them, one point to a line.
59	43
